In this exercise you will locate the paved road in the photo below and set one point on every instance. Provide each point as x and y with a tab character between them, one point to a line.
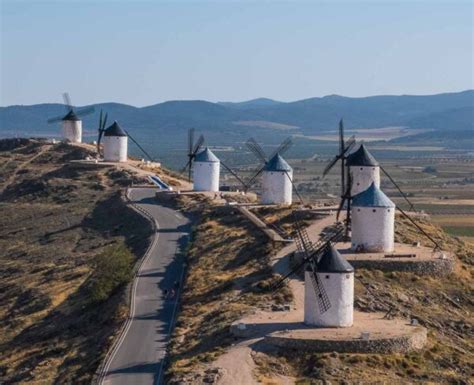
138	358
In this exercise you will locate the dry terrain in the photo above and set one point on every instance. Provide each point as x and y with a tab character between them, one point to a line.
68	242
213	299
228	276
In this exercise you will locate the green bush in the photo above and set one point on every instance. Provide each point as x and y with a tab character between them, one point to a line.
113	268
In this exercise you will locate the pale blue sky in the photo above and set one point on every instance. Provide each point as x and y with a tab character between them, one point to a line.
145	52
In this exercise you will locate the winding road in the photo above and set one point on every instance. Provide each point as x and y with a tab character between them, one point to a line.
138	356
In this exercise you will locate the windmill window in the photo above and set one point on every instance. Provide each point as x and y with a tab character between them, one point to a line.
361	168
327	277
358	183
388	210
348	276
374	210
358	209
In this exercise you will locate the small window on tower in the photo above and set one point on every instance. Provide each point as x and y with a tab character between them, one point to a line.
327	276
348	276
358	183
374	210
361	168
358	209
388	210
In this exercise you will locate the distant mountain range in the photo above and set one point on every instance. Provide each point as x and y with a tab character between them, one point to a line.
228	123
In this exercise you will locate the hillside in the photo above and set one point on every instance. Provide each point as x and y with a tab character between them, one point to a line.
225	278
68	246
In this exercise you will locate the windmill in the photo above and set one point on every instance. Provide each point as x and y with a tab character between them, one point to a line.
266	163
72	125
344	148
312	254
101	129
193	149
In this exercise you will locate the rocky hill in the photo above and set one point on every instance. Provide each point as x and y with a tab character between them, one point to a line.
68	245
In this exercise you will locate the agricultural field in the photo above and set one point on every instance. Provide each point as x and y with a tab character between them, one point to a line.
438	182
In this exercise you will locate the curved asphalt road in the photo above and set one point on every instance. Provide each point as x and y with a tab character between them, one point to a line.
138	358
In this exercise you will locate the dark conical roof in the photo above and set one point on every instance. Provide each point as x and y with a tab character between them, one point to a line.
114	130
372	197
71	116
333	262
206	155
361	157
277	163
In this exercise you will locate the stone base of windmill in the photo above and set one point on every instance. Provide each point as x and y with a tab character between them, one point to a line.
412	258
370	333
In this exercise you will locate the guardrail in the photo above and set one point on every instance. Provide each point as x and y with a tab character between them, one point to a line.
157	181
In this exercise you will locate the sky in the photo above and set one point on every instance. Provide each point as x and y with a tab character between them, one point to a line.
146	52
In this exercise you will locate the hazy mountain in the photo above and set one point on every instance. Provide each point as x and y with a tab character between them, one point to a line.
254	103
449	111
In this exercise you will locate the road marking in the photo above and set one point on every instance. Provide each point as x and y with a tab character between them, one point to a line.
132	304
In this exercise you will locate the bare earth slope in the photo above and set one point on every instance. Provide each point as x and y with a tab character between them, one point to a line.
59	304
229	274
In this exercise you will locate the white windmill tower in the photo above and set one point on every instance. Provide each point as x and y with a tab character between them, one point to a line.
115	143
206	171
373	221
336	275
277	175
277	179
364	170
71	122
329	280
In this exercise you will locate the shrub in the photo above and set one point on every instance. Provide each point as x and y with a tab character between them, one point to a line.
113	268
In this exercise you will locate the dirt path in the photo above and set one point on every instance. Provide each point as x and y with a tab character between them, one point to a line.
237	364
22	166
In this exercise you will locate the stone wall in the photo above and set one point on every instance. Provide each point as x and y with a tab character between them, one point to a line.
415	341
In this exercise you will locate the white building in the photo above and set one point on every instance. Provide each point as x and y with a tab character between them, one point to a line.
373	221
206	169
364	170
336	276
115	144
276	182
72	127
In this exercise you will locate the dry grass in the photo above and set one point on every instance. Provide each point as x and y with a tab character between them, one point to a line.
56	218
443	305
228	276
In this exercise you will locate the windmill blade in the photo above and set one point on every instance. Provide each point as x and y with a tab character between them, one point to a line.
198	145
335	237
140	147
104	123
256	149
339	209
283	147
85	111
330	165
294	188
67	101
100	120
254	177
349	144
341	136
101	132
190	140
182	171
235	175
321	294
399	189
55	120
437	246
